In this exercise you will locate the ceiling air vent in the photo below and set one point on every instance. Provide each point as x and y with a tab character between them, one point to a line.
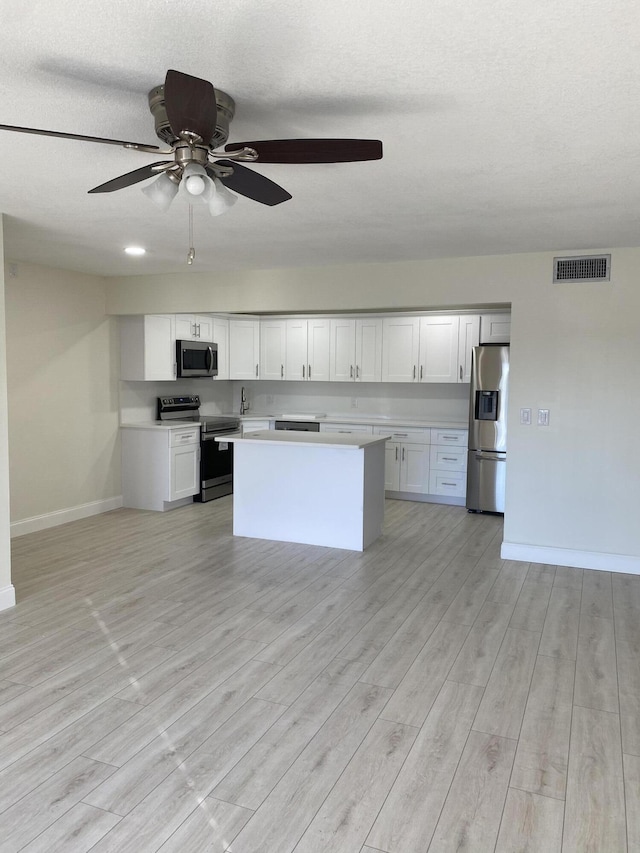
582	268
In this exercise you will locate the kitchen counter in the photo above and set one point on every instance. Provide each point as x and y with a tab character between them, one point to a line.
316	488
160	425
368	420
316	439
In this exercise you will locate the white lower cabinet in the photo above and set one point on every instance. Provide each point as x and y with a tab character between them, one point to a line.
347	428
255	425
448	463
160	467
406	458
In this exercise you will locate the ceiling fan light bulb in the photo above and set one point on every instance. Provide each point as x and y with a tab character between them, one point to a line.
194	179
221	199
161	192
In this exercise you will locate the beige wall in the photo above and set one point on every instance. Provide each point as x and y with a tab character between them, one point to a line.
574	485
63	363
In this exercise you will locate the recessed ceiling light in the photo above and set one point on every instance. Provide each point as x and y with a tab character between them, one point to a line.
135	250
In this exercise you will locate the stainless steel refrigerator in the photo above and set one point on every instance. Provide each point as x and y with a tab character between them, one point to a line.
487	462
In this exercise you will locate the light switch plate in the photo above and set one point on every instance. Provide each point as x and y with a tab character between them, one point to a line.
525	417
543	417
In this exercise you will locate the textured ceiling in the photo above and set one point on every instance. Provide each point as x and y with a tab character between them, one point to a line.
507	127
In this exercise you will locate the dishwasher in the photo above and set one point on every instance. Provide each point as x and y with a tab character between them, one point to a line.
300	426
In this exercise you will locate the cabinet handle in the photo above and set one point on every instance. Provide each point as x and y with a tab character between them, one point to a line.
448	484
420	373
198	329
256	371
414	372
351	371
303	371
396	454
357	371
460	373
449	437
309	373
449	459
282	371
403	434
403	454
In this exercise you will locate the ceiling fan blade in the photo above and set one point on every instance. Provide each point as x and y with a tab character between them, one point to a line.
312	150
251	184
190	104
130	178
80	137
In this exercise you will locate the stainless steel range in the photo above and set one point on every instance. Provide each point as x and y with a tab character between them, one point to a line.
216	458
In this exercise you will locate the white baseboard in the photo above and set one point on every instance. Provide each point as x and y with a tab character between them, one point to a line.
7	597
62	516
566	557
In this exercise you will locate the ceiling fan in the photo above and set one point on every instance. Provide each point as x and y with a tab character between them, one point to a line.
193	119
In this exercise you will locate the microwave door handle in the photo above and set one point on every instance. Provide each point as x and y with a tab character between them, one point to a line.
209	359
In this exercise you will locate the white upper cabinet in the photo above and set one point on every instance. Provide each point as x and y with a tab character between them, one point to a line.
439	348
244	349
369	350
194	327
469	338
495	328
318	349
342	350
148	347
400	349
272	348
296	363
221	337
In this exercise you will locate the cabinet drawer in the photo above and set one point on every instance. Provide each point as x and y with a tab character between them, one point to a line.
448	458
367	429
255	426
449	483
178	437
413	435
449	437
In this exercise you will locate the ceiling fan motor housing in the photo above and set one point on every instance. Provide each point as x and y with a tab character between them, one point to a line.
226	110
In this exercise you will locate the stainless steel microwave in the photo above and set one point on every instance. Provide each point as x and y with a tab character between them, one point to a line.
196	358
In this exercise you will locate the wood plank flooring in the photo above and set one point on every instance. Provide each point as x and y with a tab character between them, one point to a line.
165	686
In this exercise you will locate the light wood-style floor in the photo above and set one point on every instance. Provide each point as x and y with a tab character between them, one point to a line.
167	687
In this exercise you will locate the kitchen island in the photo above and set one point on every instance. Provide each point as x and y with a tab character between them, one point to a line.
315	488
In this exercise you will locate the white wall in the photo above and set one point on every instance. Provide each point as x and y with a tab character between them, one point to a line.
573	488
62	364
7	592
138	400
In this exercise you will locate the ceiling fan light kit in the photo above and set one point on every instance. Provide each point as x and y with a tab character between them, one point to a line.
193	118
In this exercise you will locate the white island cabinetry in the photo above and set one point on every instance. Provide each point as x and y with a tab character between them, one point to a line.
160	465
309	487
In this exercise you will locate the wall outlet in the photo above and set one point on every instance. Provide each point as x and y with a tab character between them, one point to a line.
543	417
354	402
525	417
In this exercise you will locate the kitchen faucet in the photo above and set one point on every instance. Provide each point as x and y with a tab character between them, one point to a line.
244	406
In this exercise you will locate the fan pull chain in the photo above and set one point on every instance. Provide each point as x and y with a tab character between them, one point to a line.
192	252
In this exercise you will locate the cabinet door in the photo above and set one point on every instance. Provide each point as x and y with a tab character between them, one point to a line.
342	350
414	468
186	327
220	331
244	349
185	471
392	467
439	348
295	364
400	349
495	328
272	349
159	347
369	350
318	350
468	338
204	327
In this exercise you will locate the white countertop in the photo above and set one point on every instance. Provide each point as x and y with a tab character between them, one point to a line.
161	425
317	439
368	420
